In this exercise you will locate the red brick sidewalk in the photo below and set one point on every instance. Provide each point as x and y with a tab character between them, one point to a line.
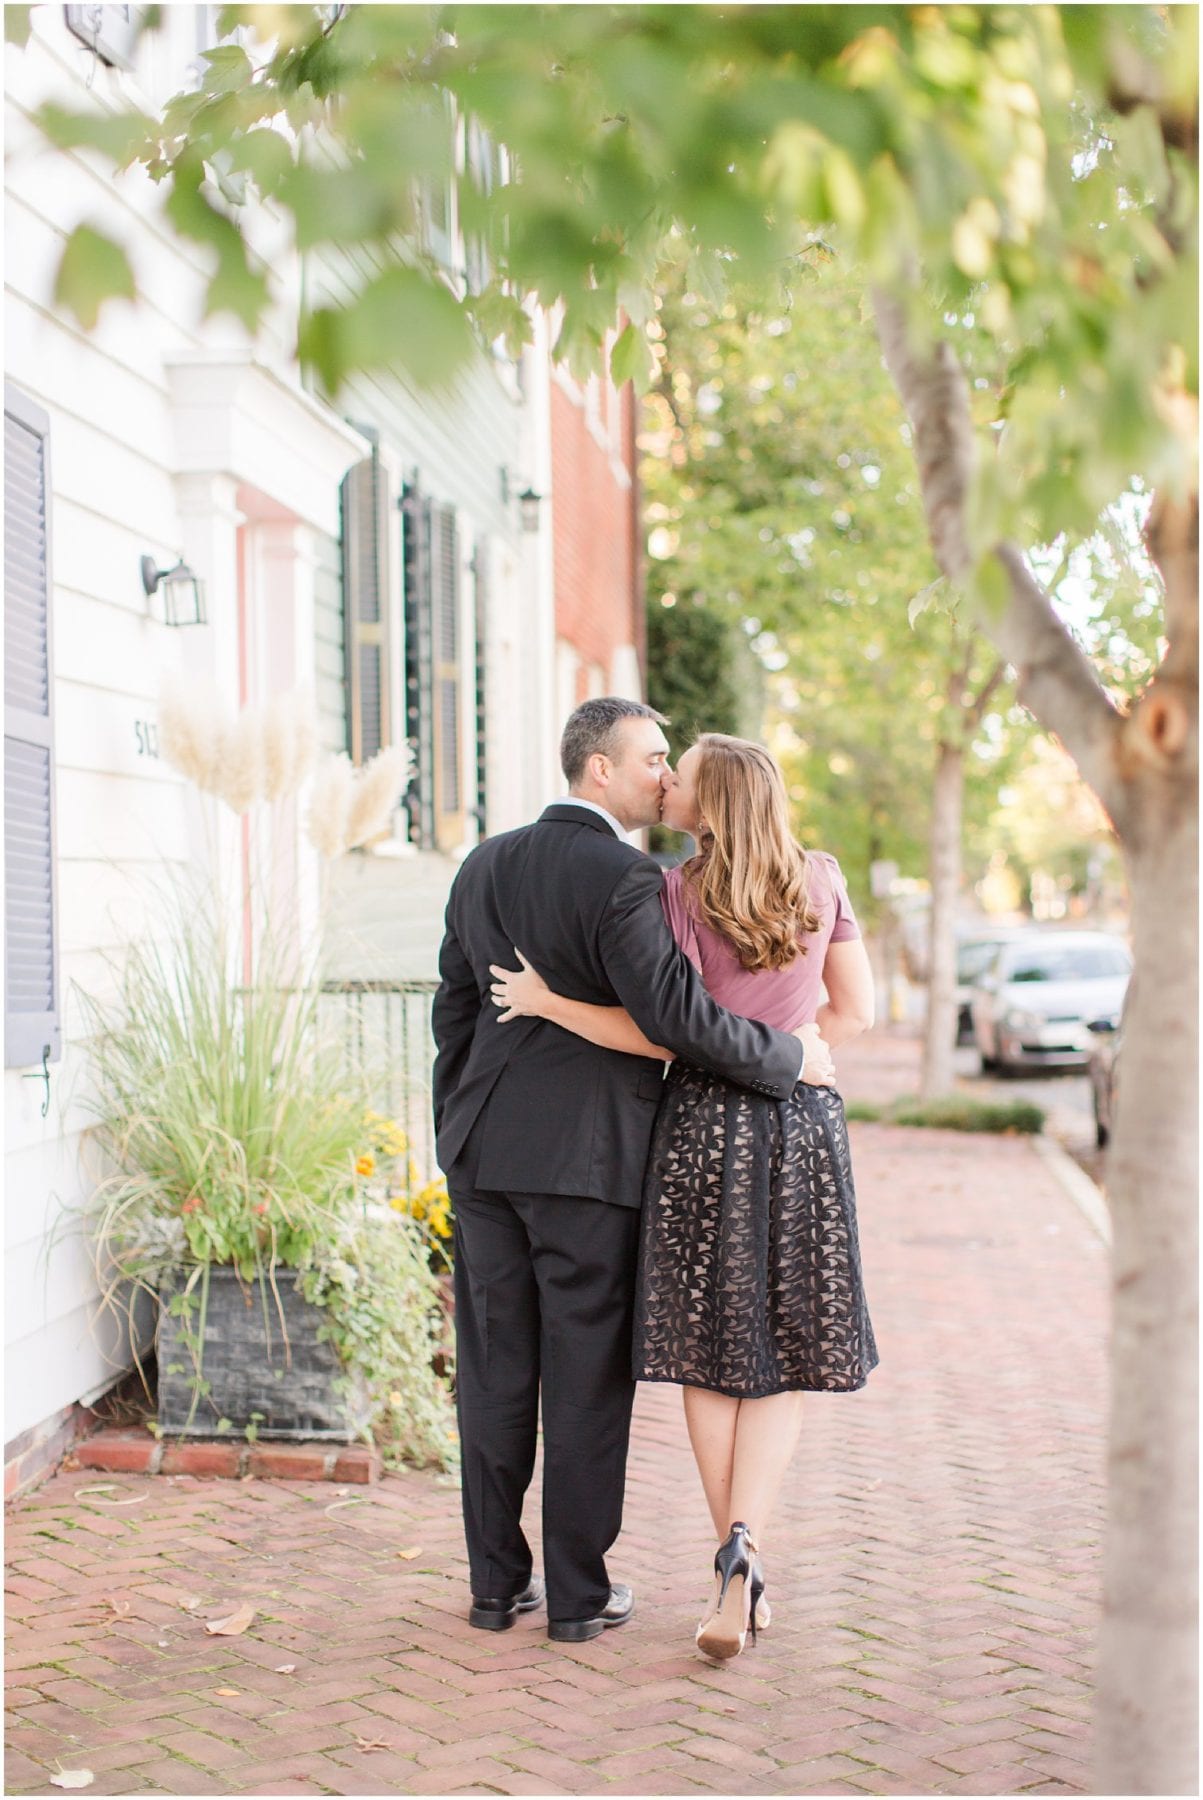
934	1573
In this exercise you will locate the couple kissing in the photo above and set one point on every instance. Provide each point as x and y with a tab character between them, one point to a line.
647	1158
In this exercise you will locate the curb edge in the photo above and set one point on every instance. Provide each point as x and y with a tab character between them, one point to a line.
1074	1182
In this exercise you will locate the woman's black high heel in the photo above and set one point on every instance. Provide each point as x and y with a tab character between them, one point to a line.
723	1633
756	1585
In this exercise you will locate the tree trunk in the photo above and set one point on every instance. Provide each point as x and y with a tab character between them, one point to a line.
1143	765
1147	1714
939	1037
1148	1673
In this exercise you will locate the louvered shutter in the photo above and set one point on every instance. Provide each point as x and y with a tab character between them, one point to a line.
365	601
448	758
480	574
32	1026
419	662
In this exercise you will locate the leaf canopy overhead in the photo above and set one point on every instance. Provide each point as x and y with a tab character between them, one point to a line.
1033	163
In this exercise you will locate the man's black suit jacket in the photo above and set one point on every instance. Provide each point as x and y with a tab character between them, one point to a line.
558	1115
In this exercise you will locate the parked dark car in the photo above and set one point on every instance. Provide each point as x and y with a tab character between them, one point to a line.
1102	1067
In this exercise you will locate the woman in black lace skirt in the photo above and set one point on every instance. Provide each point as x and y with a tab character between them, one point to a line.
750	1290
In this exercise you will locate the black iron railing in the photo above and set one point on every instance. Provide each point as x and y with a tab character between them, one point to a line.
384	1027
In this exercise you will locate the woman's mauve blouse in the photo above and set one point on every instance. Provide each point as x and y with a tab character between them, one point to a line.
786	997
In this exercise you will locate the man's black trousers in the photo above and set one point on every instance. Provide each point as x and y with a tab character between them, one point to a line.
544	1290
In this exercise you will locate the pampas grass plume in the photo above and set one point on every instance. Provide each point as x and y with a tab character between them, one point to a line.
289	734
191	729
330	805
241	771
378	787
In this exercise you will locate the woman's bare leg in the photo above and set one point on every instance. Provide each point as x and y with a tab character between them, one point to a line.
711	1420
742	1449
766	1436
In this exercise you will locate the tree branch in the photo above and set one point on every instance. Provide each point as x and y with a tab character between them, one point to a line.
1056	680
990	687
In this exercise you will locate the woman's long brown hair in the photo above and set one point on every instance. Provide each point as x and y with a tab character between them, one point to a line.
750	879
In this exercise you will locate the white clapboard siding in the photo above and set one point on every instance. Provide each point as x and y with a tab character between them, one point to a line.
35	1176
102	904
103	647
33	1378
99	731
330	668
43	1280
113	817
97	557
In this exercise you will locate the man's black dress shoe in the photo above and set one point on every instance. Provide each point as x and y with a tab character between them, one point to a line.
616	1611
499	1615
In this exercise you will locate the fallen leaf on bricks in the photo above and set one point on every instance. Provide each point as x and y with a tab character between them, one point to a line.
286	1669
233	1624
189	1602
408	1555
228	1693
72	1778
120	1607
336	1504
366	1744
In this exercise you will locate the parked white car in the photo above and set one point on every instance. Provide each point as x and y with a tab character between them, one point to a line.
976	950
1032	1005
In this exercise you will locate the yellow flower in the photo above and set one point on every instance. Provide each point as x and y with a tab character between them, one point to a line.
365	1165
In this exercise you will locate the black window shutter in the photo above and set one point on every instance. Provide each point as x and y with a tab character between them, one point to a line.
480	573
448	708
419	661
32	1016
365	602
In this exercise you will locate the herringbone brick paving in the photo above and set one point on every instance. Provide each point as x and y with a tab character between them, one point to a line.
933	1568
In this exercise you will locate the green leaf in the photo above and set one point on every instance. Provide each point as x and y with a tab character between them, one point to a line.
224	1425
231	182
991	586
16	25
498	314
265	156
927	597
237	288
229	67
403	319
118	135
92	269
706	276
630	359
343	206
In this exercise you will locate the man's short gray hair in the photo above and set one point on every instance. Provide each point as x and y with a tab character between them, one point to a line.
593	729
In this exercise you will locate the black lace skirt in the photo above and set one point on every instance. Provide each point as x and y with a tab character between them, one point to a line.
749	1268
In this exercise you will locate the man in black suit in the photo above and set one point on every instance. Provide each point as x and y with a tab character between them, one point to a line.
543	1138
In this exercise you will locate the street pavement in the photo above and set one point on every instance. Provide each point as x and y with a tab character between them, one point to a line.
933	1568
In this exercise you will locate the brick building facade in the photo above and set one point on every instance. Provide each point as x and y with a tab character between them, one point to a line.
600	639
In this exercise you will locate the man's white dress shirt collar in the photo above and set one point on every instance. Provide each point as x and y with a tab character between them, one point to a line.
575	800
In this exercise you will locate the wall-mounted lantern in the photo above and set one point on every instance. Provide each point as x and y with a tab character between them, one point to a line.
528	500
183	592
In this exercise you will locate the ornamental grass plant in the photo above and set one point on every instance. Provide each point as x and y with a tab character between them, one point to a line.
229	1132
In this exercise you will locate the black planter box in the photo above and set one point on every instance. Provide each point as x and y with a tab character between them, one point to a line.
296	1385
